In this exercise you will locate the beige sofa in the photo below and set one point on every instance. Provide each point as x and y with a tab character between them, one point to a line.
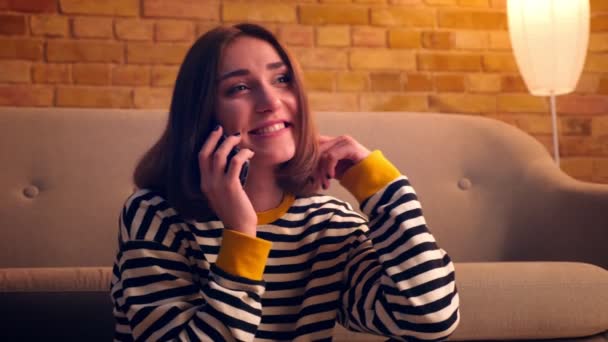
529	242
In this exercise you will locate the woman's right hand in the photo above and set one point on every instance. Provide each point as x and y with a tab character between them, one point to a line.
223	190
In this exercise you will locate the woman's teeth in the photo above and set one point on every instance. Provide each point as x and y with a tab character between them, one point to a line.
270	129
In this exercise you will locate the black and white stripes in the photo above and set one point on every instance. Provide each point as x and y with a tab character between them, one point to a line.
383	275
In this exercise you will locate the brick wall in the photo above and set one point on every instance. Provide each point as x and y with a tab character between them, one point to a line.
411	55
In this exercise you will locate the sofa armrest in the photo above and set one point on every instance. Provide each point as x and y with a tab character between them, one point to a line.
561	218
64	304
531	300
55	279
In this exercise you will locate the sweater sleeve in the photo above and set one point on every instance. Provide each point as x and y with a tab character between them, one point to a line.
164	288
399	283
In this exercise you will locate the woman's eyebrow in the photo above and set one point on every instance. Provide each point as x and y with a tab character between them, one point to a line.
243	72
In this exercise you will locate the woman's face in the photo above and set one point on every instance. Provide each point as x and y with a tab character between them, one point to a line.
256	98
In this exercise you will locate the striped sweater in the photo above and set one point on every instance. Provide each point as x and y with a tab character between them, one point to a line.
315	262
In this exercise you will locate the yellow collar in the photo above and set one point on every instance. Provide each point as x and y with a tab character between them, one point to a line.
268	216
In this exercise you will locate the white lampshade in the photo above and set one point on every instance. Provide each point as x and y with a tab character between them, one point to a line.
549	39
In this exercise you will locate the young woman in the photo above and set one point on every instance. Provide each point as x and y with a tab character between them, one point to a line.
203	257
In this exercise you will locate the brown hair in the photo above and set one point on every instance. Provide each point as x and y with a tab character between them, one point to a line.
171	168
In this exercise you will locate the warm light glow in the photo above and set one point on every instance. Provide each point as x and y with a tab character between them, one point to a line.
549	39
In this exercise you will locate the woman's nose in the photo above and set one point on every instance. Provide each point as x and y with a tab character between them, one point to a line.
267	100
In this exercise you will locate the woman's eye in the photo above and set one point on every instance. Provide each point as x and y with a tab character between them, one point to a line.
283	79
236	89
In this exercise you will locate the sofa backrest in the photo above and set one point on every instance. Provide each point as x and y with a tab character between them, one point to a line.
66	173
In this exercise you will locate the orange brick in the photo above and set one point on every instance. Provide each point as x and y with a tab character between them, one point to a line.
578	167
599	126
333	14
26	95
533	124
15	72
598	42
259	11
49	25
473	20
499	62
440	2
474	3
352	81
321	101
12	24
370	1
367	36
91	74
483	83
405	2
205	26
599	22
404	39
83	51
134	29
319	80
403	17
394	102
418	82
437	40
131	75
449	62
94	97
501	4
582	104
161	53
600	170
581	146
596	63
471	40
333	35
603	86
298	35
92	27
499	40
462	103
196	9
126	8
321	58
449	83
163	76
382	59
51	73
575	125
598	6
174	30
513	84
21	48
522	104
33	5
152	98
588	83
385	81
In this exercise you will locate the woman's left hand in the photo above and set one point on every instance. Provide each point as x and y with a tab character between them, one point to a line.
338	154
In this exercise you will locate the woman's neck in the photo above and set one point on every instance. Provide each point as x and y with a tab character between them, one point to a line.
263	190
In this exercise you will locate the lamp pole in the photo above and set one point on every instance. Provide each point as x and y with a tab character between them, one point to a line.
555	133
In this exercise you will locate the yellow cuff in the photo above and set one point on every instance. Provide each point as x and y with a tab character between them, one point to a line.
243	255
369	176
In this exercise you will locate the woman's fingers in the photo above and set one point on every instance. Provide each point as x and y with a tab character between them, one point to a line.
236	163
338	154
204	155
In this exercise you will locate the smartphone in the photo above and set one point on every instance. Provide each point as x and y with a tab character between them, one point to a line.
232	153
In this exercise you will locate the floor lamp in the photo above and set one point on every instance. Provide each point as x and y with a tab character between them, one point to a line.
549	39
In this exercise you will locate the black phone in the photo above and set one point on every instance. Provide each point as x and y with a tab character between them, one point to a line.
244	170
